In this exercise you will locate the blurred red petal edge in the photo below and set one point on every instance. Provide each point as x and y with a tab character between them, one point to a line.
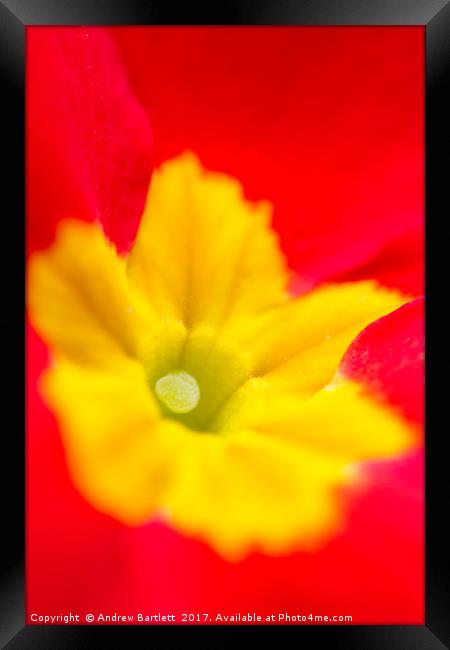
89	143
388	358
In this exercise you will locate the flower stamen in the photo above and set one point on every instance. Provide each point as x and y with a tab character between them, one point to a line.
178	391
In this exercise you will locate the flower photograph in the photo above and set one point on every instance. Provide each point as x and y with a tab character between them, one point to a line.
225	346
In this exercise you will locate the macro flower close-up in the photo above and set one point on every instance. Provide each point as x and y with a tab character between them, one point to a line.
225	303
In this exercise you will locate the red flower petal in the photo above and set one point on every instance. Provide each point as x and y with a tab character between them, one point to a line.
88	140
388	357
327	123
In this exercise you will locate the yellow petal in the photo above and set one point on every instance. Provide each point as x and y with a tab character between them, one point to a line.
280	340
79	298
203	254
340	420
250	492
117	450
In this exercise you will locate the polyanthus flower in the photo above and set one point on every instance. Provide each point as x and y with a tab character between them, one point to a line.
192	385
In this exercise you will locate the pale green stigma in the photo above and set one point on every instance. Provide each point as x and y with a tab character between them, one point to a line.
179	391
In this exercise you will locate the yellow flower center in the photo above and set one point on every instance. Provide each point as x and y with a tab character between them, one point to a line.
178	391
195	331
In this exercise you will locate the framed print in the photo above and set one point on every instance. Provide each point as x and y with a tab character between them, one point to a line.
223	254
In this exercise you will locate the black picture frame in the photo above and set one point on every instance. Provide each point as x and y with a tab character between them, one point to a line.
15	16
